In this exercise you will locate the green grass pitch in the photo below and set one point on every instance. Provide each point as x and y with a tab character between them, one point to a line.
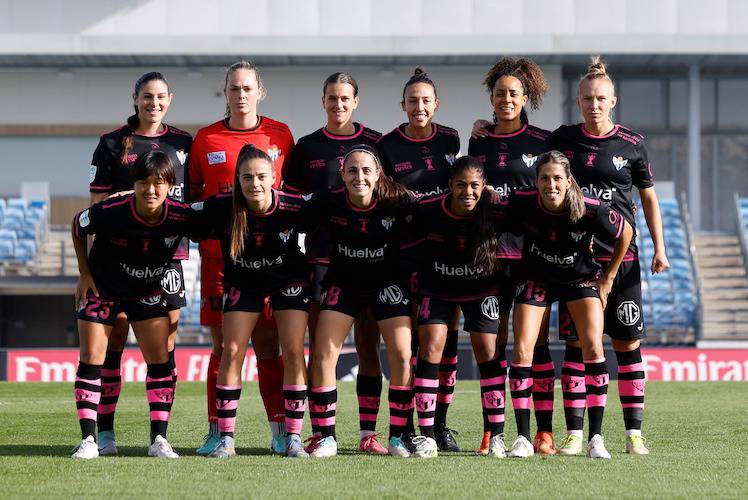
698	436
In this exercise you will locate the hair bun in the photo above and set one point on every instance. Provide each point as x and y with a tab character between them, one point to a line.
419	71
597	67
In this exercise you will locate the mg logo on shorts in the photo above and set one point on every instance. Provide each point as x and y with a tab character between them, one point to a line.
292	291
171	282
628	313
490	308
391	295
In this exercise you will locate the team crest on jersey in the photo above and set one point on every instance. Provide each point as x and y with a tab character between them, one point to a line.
577	236
529	159
388	222
274	152
490	308
171	282
170	240
450	158
131	158
216	157
285	235
620	162
83	219
91	174
182	156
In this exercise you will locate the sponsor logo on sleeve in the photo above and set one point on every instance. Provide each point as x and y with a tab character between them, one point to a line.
216	157
91	174
285	235
197	206
83	219
388	222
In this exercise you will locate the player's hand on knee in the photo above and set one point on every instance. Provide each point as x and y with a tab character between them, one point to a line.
85	283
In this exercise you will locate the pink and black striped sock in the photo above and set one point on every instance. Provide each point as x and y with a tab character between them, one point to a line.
520	385
295	401
322	408
111	385
573	389
493	396
369	393
400	398
159	389
596	382
227	404
631	385
87	392
447	378
174	373
543	379
410	427
425	386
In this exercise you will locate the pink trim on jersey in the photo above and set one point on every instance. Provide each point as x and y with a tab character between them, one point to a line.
117	203
629	257
412	244
452	214
591	201
143	221
273	205
374	202
337	137
434	126
510	134
97	189
592	136
158	134
545	210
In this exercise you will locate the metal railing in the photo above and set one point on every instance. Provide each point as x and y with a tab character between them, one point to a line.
688	229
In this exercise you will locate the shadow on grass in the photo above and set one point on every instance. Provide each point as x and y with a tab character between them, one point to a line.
30	450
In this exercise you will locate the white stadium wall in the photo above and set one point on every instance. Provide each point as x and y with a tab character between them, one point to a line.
85	97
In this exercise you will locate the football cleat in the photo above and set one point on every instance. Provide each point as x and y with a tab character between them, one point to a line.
522	448
161	448
397	448
636	445
107	443
86	450
485	444
445	439
425	447
497	448
327	447
543	443
225	448
294	447
596	447
369	444
571	445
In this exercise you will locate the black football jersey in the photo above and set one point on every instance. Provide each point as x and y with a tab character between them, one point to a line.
129	256
108	174
510	159
271	260
555	249
317	158
421	165
365	242
443	253
314	167
606	167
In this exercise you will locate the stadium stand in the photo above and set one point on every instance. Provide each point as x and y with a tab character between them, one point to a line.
670	299
23	228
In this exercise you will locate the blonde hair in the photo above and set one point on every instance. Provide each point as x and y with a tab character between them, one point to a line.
596	70
249	66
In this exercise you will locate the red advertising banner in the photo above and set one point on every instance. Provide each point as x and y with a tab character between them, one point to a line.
59	365
667	364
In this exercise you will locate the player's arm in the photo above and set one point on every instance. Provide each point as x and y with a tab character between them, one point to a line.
86	281
652	215
624	234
